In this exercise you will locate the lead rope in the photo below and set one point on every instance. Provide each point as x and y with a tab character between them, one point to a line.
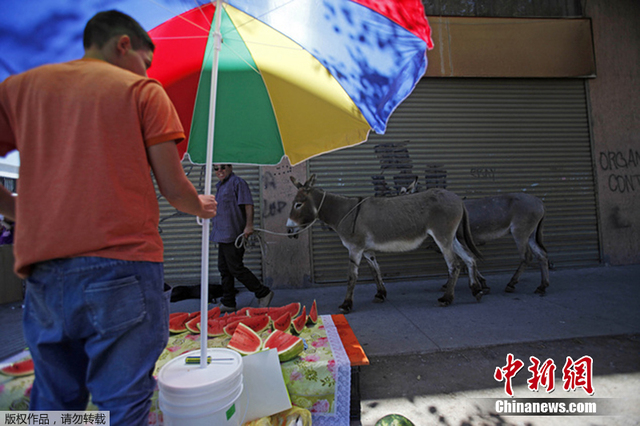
357	206
243	242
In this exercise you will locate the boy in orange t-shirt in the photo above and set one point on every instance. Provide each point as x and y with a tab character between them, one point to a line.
89	132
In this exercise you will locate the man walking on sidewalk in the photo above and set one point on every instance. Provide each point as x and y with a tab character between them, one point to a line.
235	217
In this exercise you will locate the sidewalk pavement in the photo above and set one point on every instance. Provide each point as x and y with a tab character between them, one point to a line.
436	364
596	301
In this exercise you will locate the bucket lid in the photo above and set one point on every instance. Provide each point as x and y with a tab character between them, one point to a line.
177	376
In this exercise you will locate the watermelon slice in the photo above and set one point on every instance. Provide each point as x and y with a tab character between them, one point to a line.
252	312
245	341
231	326
276	312
213	312
283	323
297	325
294	308
193	325
288	346
177	322
313	314
215	328
18	369
257	324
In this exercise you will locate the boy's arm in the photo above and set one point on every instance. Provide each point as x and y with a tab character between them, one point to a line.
174	184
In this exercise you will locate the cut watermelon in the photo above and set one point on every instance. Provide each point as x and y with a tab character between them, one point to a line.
193	325
245	340
288	346
213	313
177	322
178	314
313	314
283	323
297	325
17	369
252	312
215	328
231	327
257	324
293	308
276	312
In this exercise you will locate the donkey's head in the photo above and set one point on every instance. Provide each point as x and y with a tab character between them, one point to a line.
303	209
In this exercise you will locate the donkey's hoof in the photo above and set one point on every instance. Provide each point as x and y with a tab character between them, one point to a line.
444	301
509	288
379	297
346	307
541	291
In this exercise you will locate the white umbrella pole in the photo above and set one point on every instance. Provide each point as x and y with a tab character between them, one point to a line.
204	282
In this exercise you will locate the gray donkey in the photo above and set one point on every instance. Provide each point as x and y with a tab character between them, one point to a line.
517	213
390	225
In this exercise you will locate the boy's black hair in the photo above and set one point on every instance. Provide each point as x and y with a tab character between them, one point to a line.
106	25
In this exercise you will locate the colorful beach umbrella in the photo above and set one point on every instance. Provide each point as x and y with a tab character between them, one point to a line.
295	78
263	80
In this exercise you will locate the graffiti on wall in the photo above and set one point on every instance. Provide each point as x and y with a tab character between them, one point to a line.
483	173
396	162
270	207
622	170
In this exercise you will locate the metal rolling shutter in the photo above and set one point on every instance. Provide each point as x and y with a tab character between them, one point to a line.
476	137
182	236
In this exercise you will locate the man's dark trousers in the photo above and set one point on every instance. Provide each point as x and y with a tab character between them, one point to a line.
230	265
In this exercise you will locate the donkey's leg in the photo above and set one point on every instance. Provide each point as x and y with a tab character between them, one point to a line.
483	282
541	254
511	285
381	294
476	288
454	271
521	239
453	266
354	262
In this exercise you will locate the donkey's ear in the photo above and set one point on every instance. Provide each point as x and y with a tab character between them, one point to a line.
413	187
295	182
312	180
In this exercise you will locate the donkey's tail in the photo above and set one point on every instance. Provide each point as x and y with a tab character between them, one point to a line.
539	238
465	228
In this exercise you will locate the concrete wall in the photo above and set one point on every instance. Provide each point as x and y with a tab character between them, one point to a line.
286	261
510	47
615	113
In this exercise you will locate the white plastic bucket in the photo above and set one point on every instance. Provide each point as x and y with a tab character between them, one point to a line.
194	396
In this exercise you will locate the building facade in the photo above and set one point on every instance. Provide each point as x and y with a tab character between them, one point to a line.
540	97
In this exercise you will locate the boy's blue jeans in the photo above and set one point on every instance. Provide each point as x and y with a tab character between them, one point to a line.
96	326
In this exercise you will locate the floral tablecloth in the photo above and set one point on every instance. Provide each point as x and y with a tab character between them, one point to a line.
319	380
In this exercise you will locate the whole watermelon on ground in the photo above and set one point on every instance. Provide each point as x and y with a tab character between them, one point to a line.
394	420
